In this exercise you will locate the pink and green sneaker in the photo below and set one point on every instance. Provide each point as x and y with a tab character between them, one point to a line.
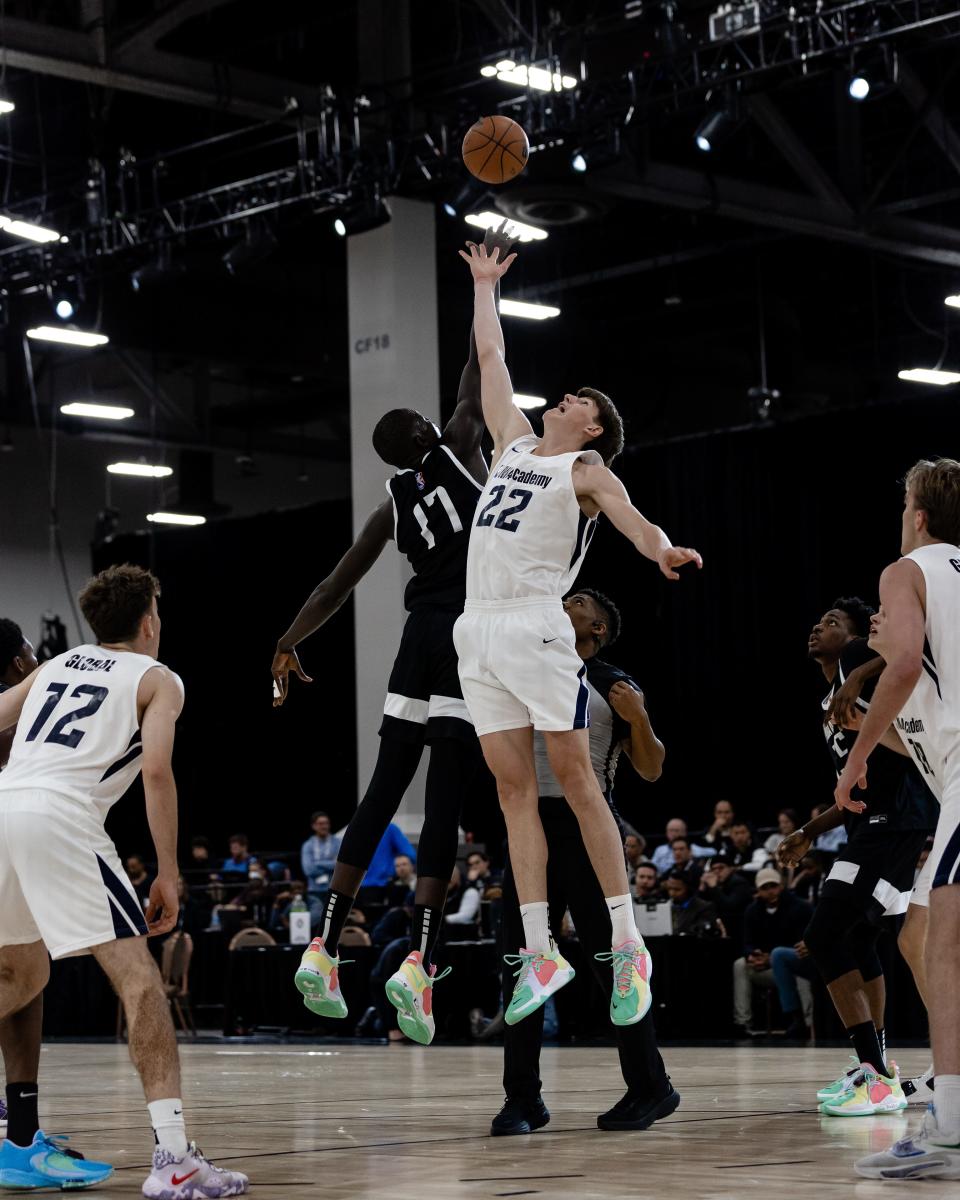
539	975
318	981
410	991
632	968
872	1093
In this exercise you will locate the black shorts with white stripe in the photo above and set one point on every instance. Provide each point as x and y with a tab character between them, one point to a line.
876	870
424	701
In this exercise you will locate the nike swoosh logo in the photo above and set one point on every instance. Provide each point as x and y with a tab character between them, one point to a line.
547	641
614	907
176	1180
178	1112
28	1095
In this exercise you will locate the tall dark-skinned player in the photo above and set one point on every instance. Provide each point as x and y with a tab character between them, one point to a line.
429	512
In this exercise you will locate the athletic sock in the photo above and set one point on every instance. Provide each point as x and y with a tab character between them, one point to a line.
622	920
882	1039
866	1044
22	1120
425	931
166	1117
946	1102
536	926
336	909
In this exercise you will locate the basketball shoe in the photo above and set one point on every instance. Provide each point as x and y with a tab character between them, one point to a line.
632	967
871	1093
3	1119
920	1089
933	1154
410	991
47	1163
844	1084
190	1177
318	981
539	975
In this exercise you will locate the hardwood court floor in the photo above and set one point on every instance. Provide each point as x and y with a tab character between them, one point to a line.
410	1122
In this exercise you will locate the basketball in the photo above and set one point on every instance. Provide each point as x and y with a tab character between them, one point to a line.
495	149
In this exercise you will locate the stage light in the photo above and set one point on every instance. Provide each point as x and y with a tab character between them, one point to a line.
64	309
368	214
24	229
339	227
929	375
6	106
464	196
859	87
543	79
171	518
532	312
578	163
68	337
714	129
952	301
101	412
873	72
143	470
522	401
523	232
488	71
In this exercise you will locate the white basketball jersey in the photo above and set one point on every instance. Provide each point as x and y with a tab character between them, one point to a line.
929	723
530	534
78	734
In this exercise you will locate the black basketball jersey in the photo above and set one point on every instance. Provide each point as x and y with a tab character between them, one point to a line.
433	510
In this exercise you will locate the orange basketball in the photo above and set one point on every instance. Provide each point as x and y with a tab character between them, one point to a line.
495	149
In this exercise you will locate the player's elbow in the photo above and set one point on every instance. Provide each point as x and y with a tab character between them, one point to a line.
489	354
156	775
905	669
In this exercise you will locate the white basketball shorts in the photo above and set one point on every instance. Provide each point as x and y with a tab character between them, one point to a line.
945	855
519	666
60	878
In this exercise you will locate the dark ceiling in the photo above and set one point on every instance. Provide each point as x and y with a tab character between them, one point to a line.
161	135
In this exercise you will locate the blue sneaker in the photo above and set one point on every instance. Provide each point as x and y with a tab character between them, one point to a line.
46	1163
3	1119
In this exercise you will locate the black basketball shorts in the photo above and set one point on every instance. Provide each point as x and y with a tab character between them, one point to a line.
424	701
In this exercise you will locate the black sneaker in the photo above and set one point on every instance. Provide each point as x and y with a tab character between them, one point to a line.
797	1031
639	1112
520	1116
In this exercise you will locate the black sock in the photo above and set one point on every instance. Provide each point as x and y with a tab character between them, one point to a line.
22	1120
882	1039
866	1043
425	931
336	909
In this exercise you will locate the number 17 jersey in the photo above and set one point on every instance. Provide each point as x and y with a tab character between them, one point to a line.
79	733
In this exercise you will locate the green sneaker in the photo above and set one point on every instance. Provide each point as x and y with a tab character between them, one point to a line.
631	997
318	981
539	975
410	991
844	1084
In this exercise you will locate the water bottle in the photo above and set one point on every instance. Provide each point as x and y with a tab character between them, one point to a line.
299	921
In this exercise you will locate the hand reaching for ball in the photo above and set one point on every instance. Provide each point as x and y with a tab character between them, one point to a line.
484	267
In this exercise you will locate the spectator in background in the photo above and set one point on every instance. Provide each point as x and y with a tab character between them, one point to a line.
719	831
790	964
662	857
192	917
381	869
239	860
399	891
787	822
809	877
462	911
282	903
683	861
199	854
775	918
646	885
831	841
318	855
137	874
257	898
690	915
480	874
730	892
17	661
634	849
741	847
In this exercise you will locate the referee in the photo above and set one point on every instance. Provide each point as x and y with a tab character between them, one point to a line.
618	721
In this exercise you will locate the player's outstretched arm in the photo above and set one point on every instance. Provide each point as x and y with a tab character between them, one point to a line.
643	748
601	491
13	700
502	417
329	595
903	601
463	433
162	691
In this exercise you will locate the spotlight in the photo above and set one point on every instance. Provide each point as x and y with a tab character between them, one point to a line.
28	231
876	72
140	469
164	269
6	106
64	309
859	87
578	163
929	375
367	214
464	197
602	151
68	337
717	126
172	518
100	412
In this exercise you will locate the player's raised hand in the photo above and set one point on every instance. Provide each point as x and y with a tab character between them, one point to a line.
163	905
285	661
676	556
843	709
626	701
486	267
854	775
500	237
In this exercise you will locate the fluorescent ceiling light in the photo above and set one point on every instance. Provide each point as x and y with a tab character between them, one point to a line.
488	71
524	233
929	375
69	337
23	229
103	412
143	469
7	106
540	78
952	301
522	401
522	308
168	518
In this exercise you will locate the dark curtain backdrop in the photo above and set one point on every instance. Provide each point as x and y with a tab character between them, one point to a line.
787	518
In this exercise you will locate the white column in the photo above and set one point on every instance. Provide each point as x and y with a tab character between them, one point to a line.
394	363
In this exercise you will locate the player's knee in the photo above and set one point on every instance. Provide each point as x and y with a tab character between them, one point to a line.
516	794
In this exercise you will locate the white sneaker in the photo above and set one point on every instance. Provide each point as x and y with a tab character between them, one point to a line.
190	1177
919	1090
930	1155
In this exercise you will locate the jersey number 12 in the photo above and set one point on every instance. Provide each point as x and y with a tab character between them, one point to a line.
59	734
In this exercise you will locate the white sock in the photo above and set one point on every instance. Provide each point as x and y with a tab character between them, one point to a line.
166	1117
621	918
946	1101
536	925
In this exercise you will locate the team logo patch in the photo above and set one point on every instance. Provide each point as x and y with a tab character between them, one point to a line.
421	482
